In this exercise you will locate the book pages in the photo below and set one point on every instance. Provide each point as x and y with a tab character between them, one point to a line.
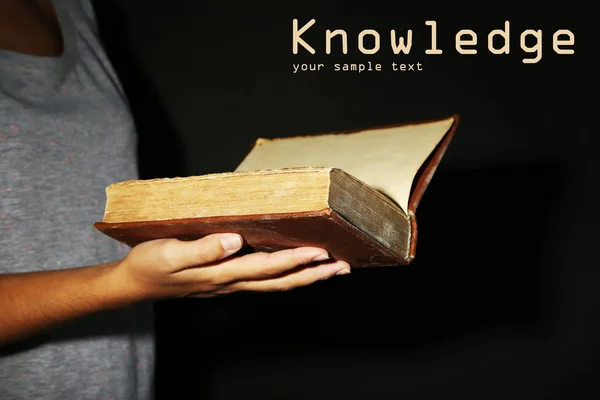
387	159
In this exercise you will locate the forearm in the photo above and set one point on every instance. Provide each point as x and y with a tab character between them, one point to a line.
30	302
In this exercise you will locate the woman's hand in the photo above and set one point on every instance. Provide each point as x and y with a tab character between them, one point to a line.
208	267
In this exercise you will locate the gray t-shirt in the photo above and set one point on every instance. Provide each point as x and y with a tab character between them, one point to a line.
65	134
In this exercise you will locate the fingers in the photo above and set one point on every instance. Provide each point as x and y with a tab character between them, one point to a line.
302	277
268	265
209	249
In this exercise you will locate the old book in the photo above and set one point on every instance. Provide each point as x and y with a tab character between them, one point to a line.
352	193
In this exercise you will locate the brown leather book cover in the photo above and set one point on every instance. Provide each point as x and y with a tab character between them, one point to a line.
325	228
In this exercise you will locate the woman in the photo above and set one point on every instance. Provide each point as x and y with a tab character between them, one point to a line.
76	317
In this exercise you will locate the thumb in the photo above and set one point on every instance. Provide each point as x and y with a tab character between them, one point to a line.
207	250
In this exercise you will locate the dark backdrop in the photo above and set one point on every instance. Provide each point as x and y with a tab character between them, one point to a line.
502	300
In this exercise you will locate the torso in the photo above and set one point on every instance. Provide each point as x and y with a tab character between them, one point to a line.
65	134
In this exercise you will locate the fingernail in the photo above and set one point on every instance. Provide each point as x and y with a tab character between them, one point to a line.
343	272
231	242
321	257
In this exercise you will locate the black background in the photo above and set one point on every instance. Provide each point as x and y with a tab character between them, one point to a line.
502	300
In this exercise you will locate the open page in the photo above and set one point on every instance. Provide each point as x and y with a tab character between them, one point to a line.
387	159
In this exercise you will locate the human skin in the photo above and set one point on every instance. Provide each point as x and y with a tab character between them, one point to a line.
158	269
164	268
